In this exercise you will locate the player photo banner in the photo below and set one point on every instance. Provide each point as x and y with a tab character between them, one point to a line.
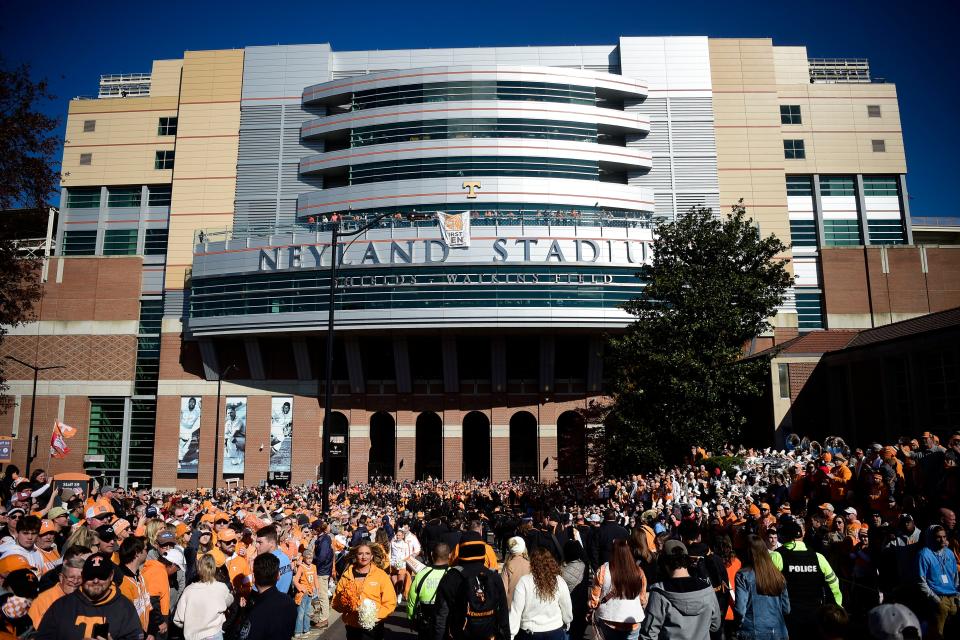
234	435
188	453
281	434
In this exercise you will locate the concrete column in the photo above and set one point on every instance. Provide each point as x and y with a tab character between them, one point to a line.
862	211
818	211
905	208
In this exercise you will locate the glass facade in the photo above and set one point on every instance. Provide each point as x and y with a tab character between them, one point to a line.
474	166
809	310
479	90
886	232
803	233
516	286
837	186
473	128
83	198
79	243
842	233
120	242
123	196
105	437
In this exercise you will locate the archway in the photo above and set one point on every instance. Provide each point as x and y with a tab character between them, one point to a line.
476	446
339	447
429	449
383	446
523	446
571	445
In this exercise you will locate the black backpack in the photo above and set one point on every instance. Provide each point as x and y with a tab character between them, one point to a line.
425	613
483	601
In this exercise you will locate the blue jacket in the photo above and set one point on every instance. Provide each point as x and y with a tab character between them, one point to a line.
938	572
323	556
760	616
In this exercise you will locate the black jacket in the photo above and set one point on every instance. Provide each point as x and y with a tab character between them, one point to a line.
68	618
451	603
602	540
273	616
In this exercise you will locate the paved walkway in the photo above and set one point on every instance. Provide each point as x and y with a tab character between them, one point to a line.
397	627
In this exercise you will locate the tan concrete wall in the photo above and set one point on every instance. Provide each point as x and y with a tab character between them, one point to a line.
165	78
205	174
123	144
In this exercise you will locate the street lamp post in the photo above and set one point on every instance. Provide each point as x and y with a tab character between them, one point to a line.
33	405
335	258
216	429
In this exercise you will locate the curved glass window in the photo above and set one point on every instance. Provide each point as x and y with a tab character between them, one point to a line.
452	286
474	166
473	128
477	90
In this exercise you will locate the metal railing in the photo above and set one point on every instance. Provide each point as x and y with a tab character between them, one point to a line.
122	85
936	221
839	70
352	222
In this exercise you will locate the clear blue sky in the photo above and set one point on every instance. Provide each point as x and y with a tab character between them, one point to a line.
910	43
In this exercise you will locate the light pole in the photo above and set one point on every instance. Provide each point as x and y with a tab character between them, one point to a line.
335	258
216	429
33	404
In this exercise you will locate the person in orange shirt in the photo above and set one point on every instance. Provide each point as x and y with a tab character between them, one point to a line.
305	583
363	579
157	580
234	565
133	554
51	557
68	582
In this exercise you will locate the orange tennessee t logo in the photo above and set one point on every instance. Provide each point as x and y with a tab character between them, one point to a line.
88	622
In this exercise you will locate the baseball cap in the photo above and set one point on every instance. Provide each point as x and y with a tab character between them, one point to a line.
888	621
152	511
99	566
96	511
516	545
227	535
168	537
827	506
56	512
850	511
46	526
674	548
16	511
595	517
175	557
23	583
106	533
23	495
13	562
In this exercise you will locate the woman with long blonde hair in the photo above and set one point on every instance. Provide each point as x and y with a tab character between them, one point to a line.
761	603
541	604
201	609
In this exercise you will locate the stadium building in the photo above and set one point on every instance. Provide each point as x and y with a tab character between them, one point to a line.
192	246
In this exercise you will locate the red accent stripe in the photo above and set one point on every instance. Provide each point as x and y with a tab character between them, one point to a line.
222	135
114	144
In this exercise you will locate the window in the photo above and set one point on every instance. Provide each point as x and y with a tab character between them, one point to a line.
809	310
89	126
167	127
803	233
164	160
86	159
842	233
837	186
793	150
873	111
473	90
79	243
155	242
123	196
879	146
472	128
158	195
105	437
120	242
886	232
474	166
880	186
783	372
83	198
799	186
790	114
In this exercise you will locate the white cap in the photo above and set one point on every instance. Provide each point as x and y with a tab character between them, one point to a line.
174	556
516	545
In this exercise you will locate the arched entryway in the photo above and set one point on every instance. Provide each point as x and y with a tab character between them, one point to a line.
339	447
571	445
429	450
523	446
476	446
383	446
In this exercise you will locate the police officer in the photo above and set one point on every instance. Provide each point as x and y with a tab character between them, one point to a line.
810	580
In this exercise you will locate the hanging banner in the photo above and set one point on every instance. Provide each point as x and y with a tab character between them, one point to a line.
281	434
234	435
455	228
188	454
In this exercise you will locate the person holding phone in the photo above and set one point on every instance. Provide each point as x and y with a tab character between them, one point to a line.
95	610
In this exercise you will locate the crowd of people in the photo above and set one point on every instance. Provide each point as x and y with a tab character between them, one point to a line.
808	543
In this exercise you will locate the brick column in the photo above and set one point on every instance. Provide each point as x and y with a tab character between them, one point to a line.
307	442
452	446
359	451
499	452
547	435
406	447
208	420
257	460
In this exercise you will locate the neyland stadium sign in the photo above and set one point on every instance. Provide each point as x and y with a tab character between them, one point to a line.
522	250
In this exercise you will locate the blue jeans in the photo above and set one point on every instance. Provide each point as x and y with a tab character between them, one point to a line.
609	633
303	615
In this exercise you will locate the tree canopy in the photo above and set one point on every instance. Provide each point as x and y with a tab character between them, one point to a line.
677	372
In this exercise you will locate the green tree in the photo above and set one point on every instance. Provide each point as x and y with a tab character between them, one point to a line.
28	178
677	371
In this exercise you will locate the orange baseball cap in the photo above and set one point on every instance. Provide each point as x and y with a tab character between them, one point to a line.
827	506
47	526
226	535
207	517
120	525
754	510
13	562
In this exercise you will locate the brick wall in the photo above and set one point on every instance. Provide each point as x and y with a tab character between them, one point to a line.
103	288
85	357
